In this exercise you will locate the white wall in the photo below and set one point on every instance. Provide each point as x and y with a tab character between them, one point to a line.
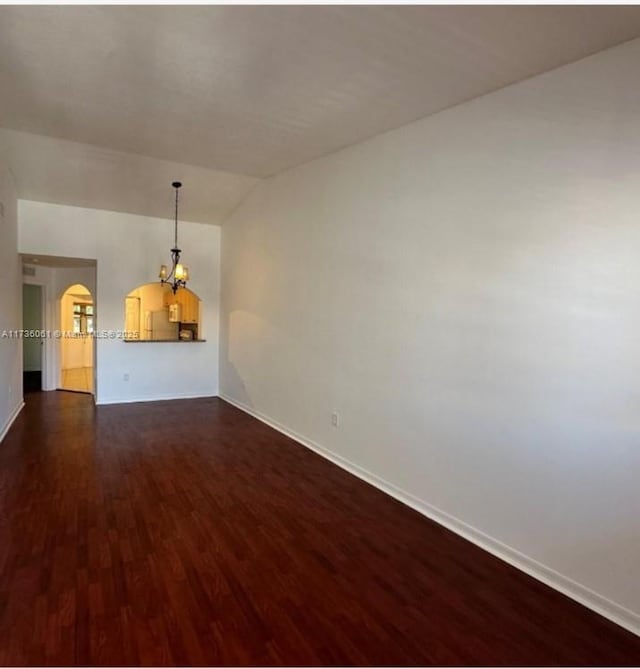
129	250
465	291
10	305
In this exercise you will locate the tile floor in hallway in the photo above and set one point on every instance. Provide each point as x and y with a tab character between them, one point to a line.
79	379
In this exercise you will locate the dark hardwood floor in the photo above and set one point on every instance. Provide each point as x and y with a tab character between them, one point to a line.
189	533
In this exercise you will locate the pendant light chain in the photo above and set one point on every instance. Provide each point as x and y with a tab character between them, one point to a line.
175	243
179	274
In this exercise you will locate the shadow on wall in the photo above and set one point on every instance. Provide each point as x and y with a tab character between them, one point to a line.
234	381
245	332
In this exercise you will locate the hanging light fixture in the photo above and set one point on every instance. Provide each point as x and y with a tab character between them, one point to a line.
179	274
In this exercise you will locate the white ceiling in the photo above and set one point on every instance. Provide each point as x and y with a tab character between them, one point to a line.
251	90
83	175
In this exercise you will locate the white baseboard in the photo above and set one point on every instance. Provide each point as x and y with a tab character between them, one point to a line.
156	398
580	593
9	423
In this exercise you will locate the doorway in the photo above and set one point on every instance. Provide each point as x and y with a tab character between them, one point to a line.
77	320
32	346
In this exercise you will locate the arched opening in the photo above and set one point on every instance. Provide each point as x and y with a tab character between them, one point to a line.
77	325
153	312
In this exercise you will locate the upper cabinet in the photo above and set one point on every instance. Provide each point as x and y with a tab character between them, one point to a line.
188	303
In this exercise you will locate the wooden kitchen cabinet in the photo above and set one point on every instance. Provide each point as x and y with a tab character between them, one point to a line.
189	304
190	307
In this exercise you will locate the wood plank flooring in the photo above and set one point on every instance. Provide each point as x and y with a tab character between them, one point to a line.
188	533
78	379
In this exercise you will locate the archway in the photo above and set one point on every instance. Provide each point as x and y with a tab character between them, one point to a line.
77	325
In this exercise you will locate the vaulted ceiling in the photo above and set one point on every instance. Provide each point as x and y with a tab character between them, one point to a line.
126	99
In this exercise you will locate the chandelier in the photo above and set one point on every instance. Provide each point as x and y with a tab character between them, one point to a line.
179	274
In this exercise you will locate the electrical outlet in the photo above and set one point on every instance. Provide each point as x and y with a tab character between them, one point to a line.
125	377
335	419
